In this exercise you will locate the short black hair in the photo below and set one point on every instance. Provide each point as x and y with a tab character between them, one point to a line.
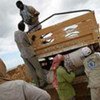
21	26
18	3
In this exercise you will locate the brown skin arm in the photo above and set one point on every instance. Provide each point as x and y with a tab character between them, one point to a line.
33	11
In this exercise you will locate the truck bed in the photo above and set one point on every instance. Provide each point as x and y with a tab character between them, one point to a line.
70	34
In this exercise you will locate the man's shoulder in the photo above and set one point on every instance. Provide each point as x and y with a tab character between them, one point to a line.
13	83
30	8
94	55
90	60
16	82
18	32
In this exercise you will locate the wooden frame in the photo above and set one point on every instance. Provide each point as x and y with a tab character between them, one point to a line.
80	31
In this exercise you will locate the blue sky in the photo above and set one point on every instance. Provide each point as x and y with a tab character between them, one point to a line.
9	17
12	59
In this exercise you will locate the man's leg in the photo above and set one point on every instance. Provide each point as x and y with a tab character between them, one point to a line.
31	72
39	71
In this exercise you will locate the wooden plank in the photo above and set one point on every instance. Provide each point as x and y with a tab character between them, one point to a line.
74	21
65	23
60	33
60	47
60	37
85	25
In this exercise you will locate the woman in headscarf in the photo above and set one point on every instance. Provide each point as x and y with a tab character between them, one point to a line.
63	79
55	64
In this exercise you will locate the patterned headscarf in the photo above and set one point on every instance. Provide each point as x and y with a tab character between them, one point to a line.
55	64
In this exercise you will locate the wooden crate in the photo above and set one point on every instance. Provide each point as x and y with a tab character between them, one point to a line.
67	35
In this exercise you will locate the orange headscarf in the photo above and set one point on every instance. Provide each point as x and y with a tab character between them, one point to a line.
55	64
